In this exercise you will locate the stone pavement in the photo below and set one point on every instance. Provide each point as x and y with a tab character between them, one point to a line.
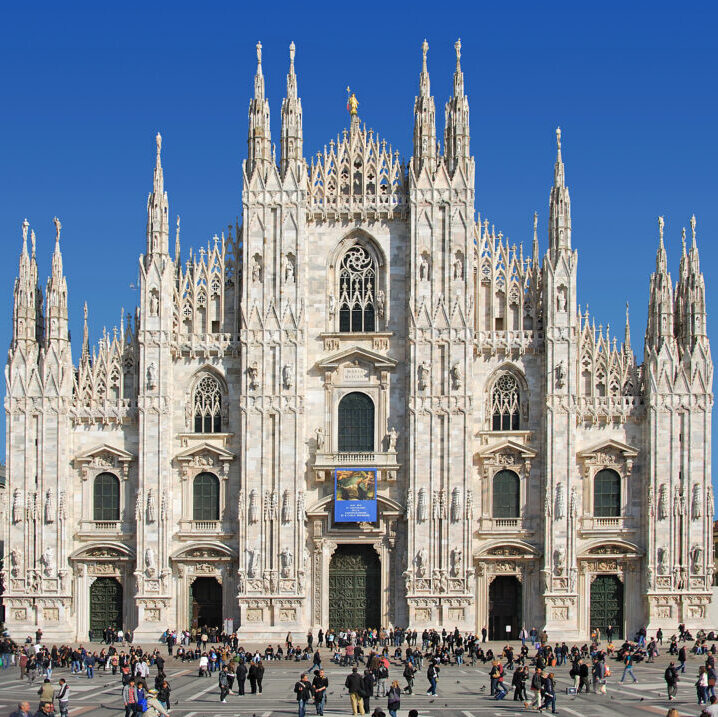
463	692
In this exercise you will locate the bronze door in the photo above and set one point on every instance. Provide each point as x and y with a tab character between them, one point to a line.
504	608
105	606
607	604
206	603
354	588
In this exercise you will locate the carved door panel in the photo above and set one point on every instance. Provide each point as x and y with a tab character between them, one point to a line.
354	588
105	606
607	604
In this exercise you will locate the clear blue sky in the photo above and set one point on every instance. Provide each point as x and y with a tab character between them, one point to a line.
85	87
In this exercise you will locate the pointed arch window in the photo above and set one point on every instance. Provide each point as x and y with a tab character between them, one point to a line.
505	404
106	497
207	405
357	291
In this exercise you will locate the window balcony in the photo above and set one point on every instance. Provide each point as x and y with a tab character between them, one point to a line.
95	528
205	526
491	526
194	529
607	526
386	463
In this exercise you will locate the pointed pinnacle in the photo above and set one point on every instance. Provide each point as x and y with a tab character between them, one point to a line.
292	50
457	47
683	240
661	224
693	229
158	140
424	50
259	57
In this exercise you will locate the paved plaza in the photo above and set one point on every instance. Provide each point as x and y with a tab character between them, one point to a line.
463	692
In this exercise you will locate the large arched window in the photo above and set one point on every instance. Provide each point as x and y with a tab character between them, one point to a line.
505	404
207	405
205	497
607	494
357	290
106	497
356	423
506	495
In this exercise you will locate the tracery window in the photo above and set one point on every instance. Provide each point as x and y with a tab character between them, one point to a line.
357	291
506	495
208	406
356	423
205	495
607	494
505	404
106	497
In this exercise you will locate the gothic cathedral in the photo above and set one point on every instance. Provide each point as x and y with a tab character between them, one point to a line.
528	471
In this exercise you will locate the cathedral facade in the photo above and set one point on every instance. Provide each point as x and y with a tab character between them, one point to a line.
528	470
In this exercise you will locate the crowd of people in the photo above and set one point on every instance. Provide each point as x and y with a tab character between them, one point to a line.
375	659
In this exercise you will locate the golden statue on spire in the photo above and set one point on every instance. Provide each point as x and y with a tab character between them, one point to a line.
352	102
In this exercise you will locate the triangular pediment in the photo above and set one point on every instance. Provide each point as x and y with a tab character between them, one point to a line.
357	353
103	451
202	448
506	446
607	446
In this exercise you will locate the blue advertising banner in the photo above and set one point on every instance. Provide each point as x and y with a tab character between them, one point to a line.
355	495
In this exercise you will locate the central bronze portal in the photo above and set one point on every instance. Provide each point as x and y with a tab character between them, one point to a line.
354	588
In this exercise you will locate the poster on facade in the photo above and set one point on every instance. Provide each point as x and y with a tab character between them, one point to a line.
355	495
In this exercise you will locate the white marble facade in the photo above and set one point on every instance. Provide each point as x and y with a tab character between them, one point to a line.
479	361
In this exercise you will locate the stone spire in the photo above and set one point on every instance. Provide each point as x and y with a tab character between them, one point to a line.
627	334
456	132
660	303
259	150
85	356
158	209
27	297
559	228
292	136
56	295
424	120
690	311
178	253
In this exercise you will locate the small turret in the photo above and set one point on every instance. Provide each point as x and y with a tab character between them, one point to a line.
456	132
424	120
158	210
27	303
292	135
260	138
559	228
690	296
660	303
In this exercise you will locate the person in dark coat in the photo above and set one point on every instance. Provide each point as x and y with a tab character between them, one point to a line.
518	682
252	674
368	688
241	677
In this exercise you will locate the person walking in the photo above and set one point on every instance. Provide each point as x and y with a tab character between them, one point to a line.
320	683
682	658
394	698
63	698
129	698
303	691
628	668
671	678
702	686
90	662
408	675
549	693
46	692
536	687
223	681
518	682
154	707
432	675
368	689
355	686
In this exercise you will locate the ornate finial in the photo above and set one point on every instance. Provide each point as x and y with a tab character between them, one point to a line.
292	50
178	223
457	47
25	226
558	138
683	239
693	228
32	240
352	102
661	224
424	50
259	54
85	312
535	221
158	139
58	227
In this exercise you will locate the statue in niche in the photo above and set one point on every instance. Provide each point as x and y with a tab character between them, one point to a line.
380	303
458	267
559	558
320	439
662	502
456	507
697	502
48	562
287	560
17	508
253	507
424	267
253	373
332	305
392	438
286	508
152	376
154	303
256	270
15	562
696	559
50	506
422	558
151	507
287	379
422	510
561	299
423	371
457	377
252	562
661	557
561	374
560	502
288	269
150	562
457	562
